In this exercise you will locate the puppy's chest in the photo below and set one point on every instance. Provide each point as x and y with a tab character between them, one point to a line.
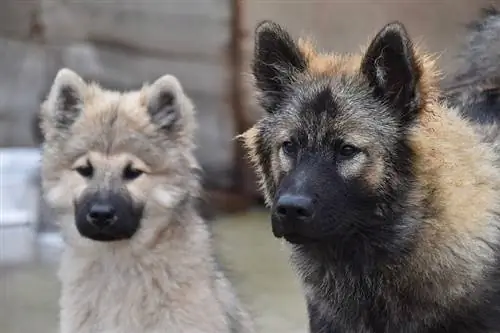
118	304
126	303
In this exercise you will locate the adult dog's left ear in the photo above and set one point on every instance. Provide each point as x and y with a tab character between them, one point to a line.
393	71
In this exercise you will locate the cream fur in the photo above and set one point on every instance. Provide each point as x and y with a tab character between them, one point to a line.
165	278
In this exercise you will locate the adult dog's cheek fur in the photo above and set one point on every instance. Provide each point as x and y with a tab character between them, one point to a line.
260	156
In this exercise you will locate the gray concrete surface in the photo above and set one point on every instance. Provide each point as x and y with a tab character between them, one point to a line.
257	262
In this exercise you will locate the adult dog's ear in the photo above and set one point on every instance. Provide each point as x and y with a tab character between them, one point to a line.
277	59
392	70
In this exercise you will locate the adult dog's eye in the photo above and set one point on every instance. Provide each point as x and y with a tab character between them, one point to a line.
131	173
290	148
348	150
85	171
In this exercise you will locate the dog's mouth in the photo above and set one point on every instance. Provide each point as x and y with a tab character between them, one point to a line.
107	217
122	229
102	236
291	233
295	238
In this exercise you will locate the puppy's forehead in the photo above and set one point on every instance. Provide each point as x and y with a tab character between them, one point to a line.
105	107
114	123
112	160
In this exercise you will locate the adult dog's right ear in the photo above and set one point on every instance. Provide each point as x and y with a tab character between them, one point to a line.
391	67
277	59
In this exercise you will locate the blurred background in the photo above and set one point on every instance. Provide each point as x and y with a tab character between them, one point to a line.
207	44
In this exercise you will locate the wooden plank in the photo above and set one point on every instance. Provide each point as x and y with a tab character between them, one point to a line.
190	27
24	67
130	70
18	19
215	138
342	26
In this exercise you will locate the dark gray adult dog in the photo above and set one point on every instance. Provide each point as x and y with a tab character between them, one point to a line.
388	198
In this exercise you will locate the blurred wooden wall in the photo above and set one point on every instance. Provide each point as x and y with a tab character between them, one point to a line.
206	43
344	25
121	44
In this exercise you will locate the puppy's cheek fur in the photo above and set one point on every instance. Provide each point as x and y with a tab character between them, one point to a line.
137	189
57	191
152	194
167	196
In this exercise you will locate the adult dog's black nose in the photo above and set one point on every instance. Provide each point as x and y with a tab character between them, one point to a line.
101	215
290	213
294	208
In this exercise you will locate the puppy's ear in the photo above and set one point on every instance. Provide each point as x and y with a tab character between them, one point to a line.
277	59
167	103
64	102
392	70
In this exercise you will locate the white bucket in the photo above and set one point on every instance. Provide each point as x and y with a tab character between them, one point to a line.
19	195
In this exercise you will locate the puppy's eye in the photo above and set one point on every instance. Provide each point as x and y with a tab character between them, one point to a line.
348	150
131	173
85	171
290	148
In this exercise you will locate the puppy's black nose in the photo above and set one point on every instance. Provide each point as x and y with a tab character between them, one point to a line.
101	215
294	208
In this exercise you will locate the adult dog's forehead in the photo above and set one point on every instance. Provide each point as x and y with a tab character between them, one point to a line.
334	108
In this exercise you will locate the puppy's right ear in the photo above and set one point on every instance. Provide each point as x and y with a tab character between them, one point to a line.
277	59
64	102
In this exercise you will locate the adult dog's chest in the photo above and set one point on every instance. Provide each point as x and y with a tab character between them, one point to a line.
336	304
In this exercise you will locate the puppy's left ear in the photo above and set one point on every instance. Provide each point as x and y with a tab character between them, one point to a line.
167	103
392	70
